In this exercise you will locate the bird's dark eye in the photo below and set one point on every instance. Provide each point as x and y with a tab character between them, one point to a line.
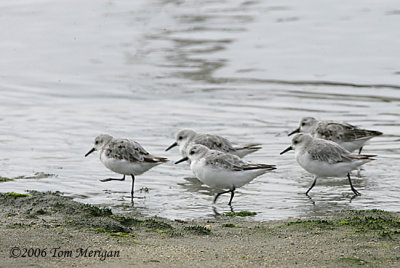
295	142
96	142
303	124
180	137
192	152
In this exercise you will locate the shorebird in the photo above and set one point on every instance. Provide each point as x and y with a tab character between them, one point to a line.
346	135
324	158
125	157
222	171
187	137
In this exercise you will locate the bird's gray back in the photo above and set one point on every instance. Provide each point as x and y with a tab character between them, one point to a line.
125	149
223	160
343	132
213	142
327	151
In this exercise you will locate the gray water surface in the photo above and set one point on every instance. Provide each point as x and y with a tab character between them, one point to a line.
246	70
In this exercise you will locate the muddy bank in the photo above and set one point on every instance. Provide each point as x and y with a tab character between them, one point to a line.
50	230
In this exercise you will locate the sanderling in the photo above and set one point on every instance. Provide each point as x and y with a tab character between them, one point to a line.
348	136
124	156
222	171
187	137
325	158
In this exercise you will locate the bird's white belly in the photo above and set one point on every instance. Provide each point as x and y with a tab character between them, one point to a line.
323	169
125	167
353	145
348	145
220	178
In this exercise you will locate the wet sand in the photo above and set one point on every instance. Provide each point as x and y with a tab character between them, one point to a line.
51	230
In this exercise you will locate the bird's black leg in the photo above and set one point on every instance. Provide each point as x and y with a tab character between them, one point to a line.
216	197
232	194
359	151
351	185
112	179
312	185
133	185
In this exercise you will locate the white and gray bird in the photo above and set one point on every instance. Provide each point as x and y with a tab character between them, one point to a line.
222	171
188	137
346	135
124	156
324	158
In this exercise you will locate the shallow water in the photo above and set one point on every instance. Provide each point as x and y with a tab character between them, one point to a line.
247	70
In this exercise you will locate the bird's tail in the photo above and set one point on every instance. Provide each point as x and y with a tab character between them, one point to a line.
161	159
157	160
362	134
260	166
246	149
366	157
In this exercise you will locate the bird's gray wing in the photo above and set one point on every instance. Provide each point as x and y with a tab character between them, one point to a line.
334	131
213	142
328	152
218	159
359	134
127	150
344	132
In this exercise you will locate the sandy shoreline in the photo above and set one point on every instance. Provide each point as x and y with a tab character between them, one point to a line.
50	230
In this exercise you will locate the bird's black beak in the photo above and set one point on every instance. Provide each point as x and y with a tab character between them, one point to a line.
91	151
286	150
297	130
182	160
172	146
